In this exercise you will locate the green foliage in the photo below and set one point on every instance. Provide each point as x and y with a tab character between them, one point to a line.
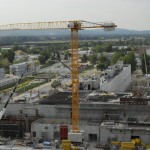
67	55
84	48
24	88
129	58
147	61
9	54
93	59
24	59
84	58
103	59
103	62
43	57
15	47
100	66
98	48
116	57
4	63
108	48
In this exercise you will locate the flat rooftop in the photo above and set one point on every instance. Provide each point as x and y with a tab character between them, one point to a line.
52	121
85	96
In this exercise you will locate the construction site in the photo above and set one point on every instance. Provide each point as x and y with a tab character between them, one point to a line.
87	119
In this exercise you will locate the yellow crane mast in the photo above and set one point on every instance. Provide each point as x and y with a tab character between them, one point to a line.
74	26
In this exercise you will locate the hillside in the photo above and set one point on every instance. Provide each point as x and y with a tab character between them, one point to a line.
118	31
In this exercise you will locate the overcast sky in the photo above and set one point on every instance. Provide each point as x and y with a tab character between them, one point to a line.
130	14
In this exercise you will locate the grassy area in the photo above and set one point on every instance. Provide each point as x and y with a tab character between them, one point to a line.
27	87
25	81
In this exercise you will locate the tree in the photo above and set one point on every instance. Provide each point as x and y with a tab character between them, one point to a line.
67	55
115	57
44	57
41	59
108	48
129	58
84	58
24	59
103	59
9	54
97	48
147	61
100	66
15	47
93	59
4	63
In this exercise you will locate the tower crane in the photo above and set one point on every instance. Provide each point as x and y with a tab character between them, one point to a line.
74	26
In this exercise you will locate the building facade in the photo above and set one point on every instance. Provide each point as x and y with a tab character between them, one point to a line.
116	78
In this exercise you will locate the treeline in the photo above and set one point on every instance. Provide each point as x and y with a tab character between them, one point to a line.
119	39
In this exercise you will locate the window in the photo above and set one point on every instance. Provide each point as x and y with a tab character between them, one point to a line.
93	137
34	134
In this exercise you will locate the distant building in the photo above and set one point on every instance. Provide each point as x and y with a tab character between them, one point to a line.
8	81
33	57
18	69
120	47
116	131
114	79
2	73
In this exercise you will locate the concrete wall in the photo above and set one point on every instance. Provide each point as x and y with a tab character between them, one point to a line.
2	73
119	83
87	111
17	69
50	128
123	135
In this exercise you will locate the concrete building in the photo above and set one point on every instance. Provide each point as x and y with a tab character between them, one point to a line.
45	128
116	78
18	69
125	121
8	81
115	131
33	57
120	47
105	132
2	73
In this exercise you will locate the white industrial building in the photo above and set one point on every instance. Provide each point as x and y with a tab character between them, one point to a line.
116	78
19	69
103	133
113	131
45	128
2	73
8	81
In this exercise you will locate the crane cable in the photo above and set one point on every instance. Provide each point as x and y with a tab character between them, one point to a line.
14	89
